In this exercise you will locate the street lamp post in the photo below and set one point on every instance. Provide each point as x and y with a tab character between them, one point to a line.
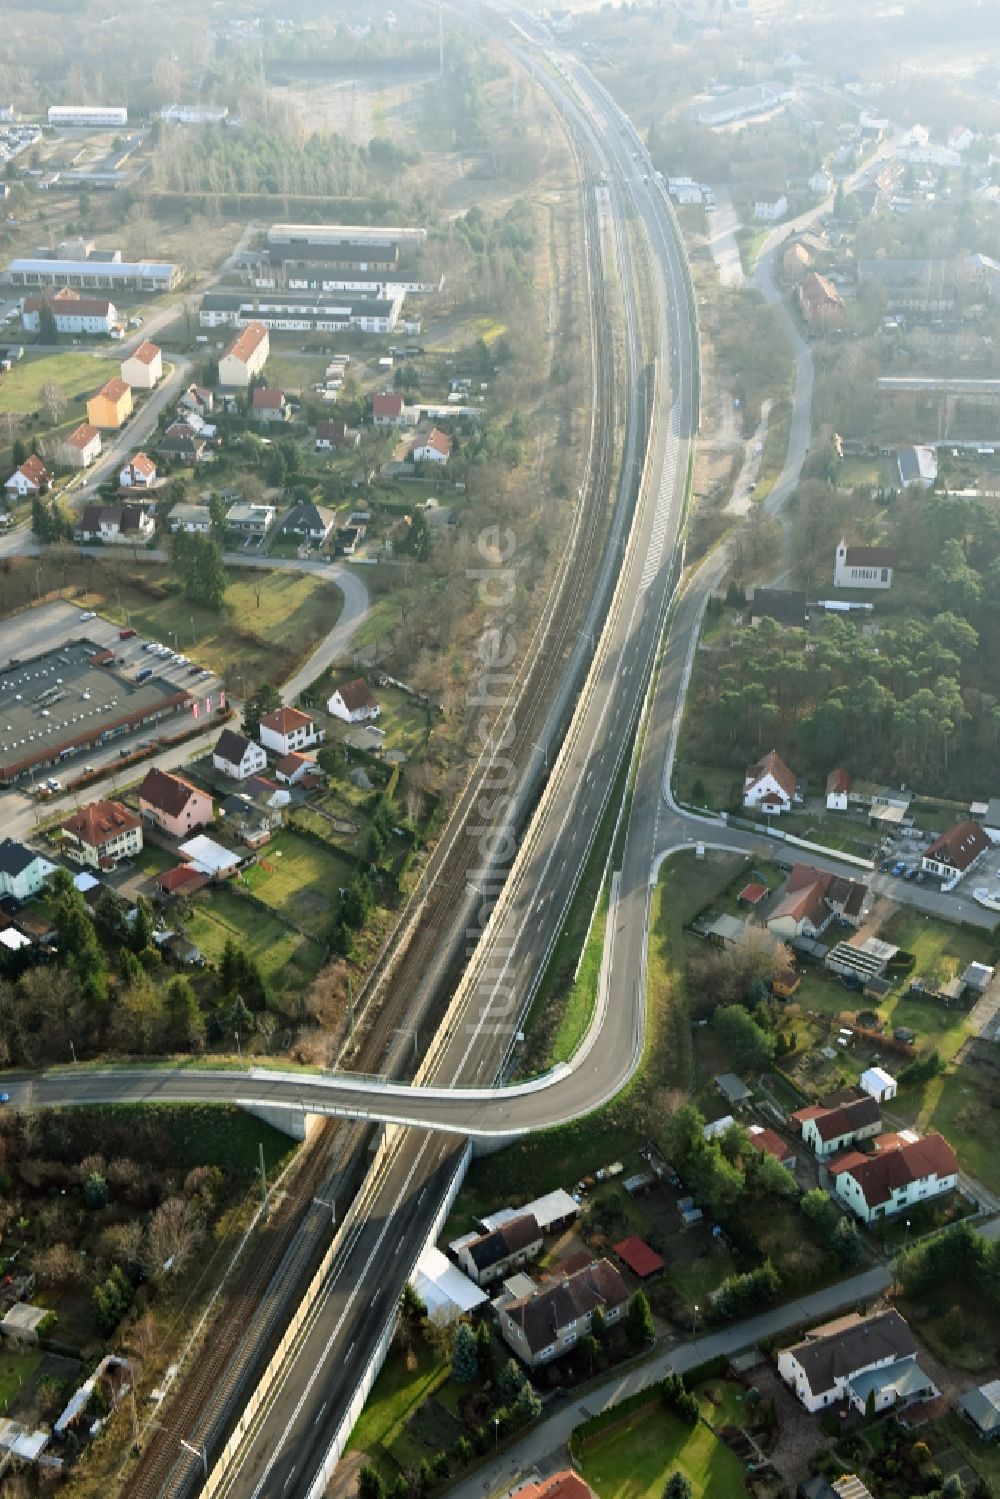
239	1048
696	1311
496	1435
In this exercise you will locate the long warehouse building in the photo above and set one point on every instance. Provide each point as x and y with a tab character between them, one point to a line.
298	313
331	234
93	116
95	275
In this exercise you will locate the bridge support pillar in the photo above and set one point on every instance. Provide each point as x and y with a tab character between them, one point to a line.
289	1121
489	1144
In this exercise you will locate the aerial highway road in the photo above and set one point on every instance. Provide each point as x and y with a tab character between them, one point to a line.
294	1441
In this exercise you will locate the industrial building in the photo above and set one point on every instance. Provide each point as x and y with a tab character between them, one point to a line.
91	116
296	312
71	699
94	275
332	234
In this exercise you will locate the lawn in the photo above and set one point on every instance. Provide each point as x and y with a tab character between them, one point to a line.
269	624
287	960
396	1395
299	879
634	1460
204	1134
16	1369
984	1456
953	1105
775	447
77	375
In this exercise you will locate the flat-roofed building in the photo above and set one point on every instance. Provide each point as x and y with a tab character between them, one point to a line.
331	234
94	275
89	116
60	702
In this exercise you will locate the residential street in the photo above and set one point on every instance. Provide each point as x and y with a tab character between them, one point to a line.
545	1442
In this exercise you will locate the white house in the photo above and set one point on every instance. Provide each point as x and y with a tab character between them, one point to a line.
72	313
956	851
115	525
22	871
138	473
863	567
245	357
834	1362
434	448
769	785
354	702
770	207
828	1131
143	368
80	448
893	1180
820	183
237	756
101	834
31	478
494	1255
185	517
960	138
838	786
287	729
878	1084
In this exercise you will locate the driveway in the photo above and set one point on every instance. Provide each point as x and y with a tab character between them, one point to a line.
723	222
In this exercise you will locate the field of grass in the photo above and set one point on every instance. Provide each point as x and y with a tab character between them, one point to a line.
263	640
287	960
77	375
16	1369
299	879
397	1394
204	1134
634	1460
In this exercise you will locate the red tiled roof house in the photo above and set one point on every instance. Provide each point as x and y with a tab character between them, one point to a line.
173	804
891	1181
769	786
101	834
288	729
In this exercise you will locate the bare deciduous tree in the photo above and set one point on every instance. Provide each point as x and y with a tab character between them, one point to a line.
174	1233
58	1265
53	399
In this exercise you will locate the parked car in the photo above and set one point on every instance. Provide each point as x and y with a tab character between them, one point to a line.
126	634
53	784
910	874
4	1098
87	614
899	866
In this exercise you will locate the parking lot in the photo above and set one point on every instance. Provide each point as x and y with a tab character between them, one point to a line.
55	625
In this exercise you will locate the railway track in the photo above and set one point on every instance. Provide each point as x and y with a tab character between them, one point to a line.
426	954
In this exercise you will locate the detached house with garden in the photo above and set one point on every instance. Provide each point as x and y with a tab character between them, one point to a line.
769	786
